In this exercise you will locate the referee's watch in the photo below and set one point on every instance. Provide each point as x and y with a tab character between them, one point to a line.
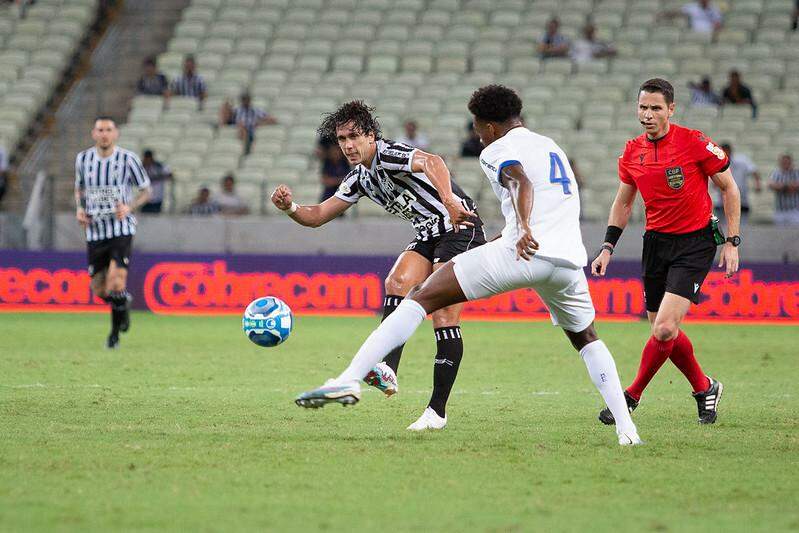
735	240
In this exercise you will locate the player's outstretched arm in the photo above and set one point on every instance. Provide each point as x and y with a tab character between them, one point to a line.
731	198
516	181
311	216
437	172
620	213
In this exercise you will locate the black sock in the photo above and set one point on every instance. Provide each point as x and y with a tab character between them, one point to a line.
119	307
393	358
449	345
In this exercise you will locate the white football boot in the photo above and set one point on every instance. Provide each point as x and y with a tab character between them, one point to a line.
629	439
429	420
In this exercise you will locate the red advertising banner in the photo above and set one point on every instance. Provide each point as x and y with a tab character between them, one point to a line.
216	284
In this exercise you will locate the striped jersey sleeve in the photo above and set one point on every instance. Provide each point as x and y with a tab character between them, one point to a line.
396	156
350	188
136	170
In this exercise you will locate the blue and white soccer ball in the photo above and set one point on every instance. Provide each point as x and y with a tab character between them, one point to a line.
267	321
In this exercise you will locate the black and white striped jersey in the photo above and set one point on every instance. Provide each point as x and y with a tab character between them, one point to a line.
248	117
105	182
391	184
193	86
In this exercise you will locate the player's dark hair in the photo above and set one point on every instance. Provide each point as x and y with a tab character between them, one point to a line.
658	85
357	112
495	103
105	117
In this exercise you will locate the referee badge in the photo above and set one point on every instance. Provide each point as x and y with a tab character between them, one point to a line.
675	178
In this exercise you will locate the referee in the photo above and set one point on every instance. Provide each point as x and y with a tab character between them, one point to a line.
670	166
104	175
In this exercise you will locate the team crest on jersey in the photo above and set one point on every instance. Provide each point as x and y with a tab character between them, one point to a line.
675	178
344	188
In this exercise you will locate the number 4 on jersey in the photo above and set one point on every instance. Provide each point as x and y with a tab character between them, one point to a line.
557	172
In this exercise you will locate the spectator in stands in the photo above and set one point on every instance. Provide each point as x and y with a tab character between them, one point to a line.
702	16
246	118
471	147
412	137
190	83
742	169
159	175
702	94
736	93
588	47
334	169
152	82
553	43
203	205
3	171
795	23
785	184
228	201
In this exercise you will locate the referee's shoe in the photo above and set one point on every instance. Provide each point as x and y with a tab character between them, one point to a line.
708	401
606	417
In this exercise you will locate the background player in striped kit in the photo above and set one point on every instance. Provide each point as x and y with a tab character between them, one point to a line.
413	185
104	175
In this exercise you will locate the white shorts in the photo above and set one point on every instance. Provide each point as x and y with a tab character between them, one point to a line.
493	269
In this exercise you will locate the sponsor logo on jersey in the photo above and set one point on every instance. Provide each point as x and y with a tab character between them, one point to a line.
675	178
489	166
715	150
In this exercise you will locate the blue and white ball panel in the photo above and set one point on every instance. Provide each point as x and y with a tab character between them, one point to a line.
267	321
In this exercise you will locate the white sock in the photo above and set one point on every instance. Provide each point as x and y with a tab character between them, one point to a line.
394	331
602	369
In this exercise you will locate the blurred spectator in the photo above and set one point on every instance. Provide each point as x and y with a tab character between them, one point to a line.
736	93
203	205
553	43
742	169
702	94
152	81
3	171
190	83
588	47
784	182
412	137
246	118
703	17
471	147
228	201
334	169
159	174
795	23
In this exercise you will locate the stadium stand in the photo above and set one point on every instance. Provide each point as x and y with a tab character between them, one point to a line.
37	43
300	58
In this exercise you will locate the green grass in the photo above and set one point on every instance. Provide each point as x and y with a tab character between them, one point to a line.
190	427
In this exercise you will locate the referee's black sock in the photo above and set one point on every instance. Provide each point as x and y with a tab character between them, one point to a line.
449	345
389	305
119	307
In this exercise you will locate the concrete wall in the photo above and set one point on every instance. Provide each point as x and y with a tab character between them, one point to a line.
360	236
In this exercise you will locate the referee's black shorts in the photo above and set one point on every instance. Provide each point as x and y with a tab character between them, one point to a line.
676	263
102	252
444	247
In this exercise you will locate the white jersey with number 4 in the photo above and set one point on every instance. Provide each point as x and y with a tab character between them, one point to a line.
555	218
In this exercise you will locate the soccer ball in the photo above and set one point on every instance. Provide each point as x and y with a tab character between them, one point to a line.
267	321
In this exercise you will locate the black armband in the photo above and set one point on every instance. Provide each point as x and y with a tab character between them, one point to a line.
613	234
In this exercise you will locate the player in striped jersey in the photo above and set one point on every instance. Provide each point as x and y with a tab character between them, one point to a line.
413	185
104	176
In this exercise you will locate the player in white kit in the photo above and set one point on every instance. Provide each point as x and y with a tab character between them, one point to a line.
540	247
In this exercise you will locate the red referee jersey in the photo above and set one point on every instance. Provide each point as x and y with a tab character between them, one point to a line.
671	173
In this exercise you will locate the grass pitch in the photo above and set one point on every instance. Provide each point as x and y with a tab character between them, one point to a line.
190	427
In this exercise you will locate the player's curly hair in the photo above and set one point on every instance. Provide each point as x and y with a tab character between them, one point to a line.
495	103
355	111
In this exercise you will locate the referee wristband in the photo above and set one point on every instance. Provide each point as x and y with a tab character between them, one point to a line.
613	234
291	210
